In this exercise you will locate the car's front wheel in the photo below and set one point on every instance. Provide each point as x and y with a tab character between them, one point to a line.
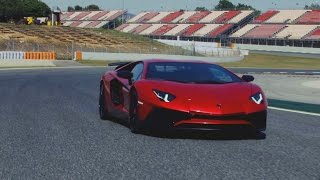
103	112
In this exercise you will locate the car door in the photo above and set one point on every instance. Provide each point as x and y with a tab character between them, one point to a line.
137	73
120	90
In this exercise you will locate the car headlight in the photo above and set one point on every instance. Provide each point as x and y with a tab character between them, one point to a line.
257	98
164	96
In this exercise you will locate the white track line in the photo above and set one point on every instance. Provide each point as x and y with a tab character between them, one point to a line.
294	111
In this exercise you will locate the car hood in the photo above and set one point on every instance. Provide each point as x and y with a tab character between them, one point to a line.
209	98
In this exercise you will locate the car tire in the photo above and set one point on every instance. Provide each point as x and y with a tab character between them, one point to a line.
133	117
103	112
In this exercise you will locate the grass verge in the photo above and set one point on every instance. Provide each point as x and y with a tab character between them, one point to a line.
274	61
313	108
95	62
253	61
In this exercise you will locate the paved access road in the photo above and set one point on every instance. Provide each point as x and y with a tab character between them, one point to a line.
50	129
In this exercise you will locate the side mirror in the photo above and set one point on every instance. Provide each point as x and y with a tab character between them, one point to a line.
248	78
125	75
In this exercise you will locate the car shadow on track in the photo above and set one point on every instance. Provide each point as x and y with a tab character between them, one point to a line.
197	135
208	135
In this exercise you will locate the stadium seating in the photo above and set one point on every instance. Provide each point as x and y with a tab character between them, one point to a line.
147	17
224	18
151	29
163	29
98	15
185	16
286	16
295	31
265	16
264	31
240	17
81	16
84	24
171	17
212	16
137	17
192	29
86	18
219	30
66	15
95	24
244	30
311	17
158	17
75	23
204	31
314	34
141	28
130	27
121	27
178	30
198	16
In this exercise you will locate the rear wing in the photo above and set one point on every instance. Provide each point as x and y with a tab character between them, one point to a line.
119	64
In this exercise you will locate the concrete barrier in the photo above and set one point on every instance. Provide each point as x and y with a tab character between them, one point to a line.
15	55
40	56
10	55
137	57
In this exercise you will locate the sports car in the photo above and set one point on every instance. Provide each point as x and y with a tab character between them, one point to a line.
190	95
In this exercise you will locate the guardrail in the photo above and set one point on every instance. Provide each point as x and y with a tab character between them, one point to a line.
7	55
40	55
17	55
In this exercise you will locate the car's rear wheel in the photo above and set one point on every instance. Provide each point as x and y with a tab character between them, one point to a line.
133	116
103	112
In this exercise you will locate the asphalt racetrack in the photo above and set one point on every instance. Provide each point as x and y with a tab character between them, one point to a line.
50	129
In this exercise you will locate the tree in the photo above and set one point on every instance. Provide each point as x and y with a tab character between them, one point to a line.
18	9
248	7
224	5
78	8
313	6
201	9
35	8
70	9
92	7
227	5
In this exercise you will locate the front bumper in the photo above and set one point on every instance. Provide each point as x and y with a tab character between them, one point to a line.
165	118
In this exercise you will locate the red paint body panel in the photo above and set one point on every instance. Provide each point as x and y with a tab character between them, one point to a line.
212	102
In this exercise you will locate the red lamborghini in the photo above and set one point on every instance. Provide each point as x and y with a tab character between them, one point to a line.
181	95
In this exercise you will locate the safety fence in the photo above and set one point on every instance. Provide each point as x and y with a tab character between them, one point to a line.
18	55
65	51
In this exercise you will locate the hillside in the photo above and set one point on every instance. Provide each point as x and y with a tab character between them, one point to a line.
60	39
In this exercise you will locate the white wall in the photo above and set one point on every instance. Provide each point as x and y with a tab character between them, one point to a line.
137	57
206	48
285	49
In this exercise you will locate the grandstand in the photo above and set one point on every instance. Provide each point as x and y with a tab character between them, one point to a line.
187	24
282	27
60	39
90	19
273	27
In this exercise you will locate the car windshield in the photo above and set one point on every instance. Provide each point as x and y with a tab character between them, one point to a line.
190	72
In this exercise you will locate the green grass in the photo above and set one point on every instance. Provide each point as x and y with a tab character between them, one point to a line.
274	61
95	62
313	108
255	61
